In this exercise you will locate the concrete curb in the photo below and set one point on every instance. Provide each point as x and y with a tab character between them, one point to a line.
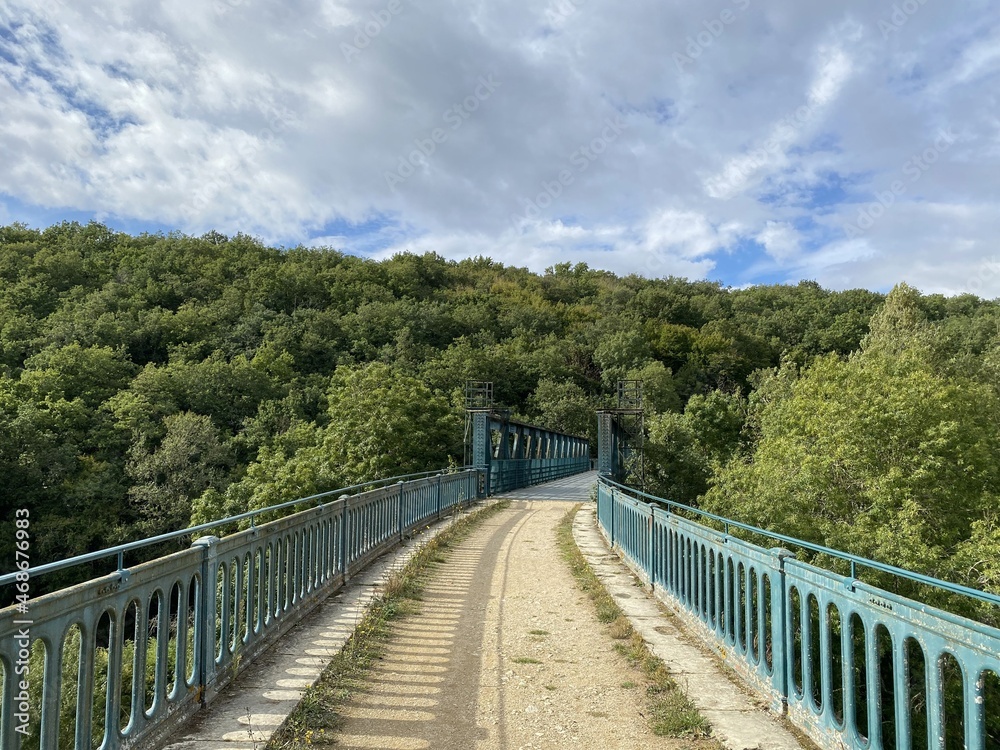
736	720
252	708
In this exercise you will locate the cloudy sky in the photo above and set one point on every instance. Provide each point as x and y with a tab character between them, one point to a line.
854	142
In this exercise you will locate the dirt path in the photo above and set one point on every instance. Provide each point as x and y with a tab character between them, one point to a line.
506	653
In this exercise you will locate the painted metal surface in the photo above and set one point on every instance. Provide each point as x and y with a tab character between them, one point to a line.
607	444
514	455
513	474
852	665
153	643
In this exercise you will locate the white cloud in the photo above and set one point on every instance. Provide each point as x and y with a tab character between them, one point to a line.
247	116
780	240
770	154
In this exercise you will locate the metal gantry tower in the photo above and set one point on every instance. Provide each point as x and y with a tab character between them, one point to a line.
621	435
478	403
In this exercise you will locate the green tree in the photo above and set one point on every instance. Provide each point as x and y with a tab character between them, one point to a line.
877	455
684	451
381	424
565	407
189	460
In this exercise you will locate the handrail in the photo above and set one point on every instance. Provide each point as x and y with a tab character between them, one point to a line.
202	614
855	560
121	549
819	647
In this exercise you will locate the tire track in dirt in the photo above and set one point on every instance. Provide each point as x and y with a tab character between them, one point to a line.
506	652
423	692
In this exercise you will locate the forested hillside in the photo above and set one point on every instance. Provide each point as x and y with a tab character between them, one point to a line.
148	381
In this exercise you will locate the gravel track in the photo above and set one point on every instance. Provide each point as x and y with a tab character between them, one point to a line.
505	653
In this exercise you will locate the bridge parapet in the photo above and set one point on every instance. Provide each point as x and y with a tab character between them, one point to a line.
851	664
125	659
153	643
515	455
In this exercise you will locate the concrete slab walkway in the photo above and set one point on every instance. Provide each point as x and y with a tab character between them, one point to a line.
737	721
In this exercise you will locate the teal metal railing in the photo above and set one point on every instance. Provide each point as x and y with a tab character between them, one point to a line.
123	660
851	664
515	473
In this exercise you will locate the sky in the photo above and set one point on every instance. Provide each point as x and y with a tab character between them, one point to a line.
851	142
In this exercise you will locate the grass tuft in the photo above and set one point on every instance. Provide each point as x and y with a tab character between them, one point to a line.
670	712
316	718
621	628
525	660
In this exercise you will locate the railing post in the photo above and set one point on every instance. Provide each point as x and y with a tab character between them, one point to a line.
440	479
781	639
345	558
400	484
204	647
652	548
614	498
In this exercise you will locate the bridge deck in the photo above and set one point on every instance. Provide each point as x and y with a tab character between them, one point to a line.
505	652
575	489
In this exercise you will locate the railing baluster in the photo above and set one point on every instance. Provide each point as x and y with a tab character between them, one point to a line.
52	685
935	700
975	723
84	691
901	688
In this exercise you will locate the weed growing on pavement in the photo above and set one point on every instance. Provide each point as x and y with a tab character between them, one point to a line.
316	719
670	712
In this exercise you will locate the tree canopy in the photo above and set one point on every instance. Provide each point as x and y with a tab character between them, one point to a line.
153	380
889	453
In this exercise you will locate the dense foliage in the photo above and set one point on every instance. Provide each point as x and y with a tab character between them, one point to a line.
889	453
149	380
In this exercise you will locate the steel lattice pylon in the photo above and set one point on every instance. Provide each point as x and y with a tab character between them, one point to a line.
621	434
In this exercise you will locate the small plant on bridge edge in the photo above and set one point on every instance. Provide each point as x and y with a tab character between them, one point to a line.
671	713
315	720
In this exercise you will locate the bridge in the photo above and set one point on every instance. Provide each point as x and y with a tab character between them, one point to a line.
154	647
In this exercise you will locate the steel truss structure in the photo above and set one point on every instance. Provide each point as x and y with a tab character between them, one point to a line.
514	454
